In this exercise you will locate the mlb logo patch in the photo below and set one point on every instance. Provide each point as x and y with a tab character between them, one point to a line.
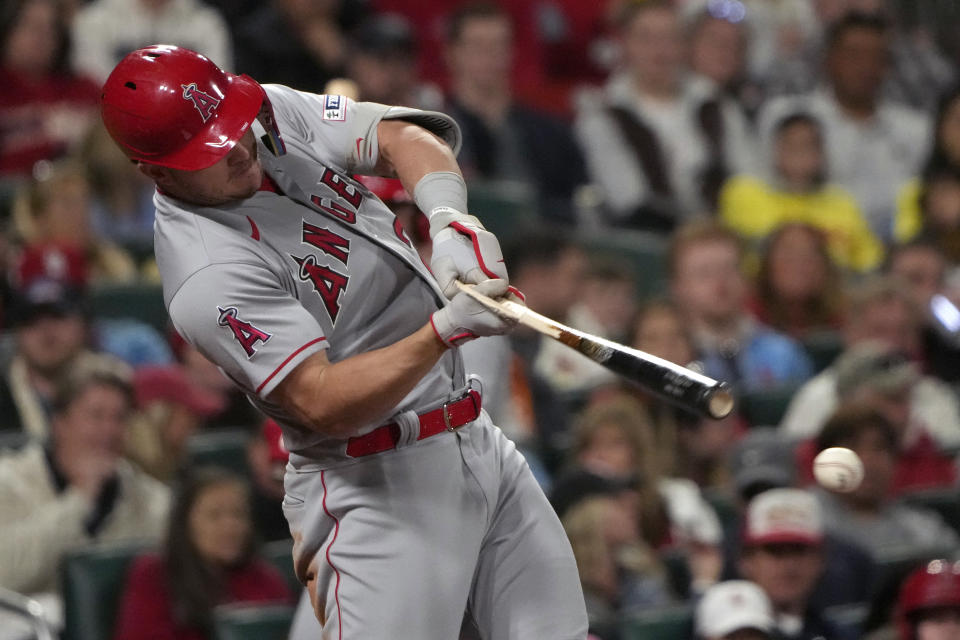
335	108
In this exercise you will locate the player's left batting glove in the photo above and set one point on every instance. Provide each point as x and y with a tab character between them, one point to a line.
463	250
464	319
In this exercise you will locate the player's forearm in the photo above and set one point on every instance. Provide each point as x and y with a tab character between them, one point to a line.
340	398
412	152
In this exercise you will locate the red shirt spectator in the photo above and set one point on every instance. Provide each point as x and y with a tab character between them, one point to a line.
44	108
919	466
147	610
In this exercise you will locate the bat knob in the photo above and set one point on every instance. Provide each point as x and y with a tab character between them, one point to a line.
720	402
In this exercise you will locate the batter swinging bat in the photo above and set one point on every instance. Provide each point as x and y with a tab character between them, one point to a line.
675	384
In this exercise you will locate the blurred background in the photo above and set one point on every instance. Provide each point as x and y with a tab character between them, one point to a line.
767	188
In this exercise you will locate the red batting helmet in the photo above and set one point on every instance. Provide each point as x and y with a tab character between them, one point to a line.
173	107
937	584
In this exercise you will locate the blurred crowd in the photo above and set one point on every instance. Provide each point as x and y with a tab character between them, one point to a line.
767	189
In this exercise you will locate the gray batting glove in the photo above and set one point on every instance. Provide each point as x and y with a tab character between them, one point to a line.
464	319
463	250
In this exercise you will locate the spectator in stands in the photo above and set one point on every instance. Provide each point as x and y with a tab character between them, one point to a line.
267	458
121	206
613	440
872	145
77	489
618	570
783	553
873	375
294	43
764	460
921	266
504	140
55	208
868	516
707	283
929	604
658	329
237	410
50	327
716	77
169	410
799	288
106	30
794	187
878	310
45	108
382	62
208	559
929	205
548	267
656	146
734	610
606	303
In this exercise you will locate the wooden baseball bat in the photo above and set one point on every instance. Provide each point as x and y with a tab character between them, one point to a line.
676	384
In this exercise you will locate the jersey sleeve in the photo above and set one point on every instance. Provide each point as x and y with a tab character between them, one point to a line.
342	133
241	318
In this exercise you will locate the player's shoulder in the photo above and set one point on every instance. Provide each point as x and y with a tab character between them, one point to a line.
188	241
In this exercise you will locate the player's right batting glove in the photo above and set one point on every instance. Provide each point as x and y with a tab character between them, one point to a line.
464	319
463	250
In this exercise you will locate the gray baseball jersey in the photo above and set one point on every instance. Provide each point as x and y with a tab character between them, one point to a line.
314	261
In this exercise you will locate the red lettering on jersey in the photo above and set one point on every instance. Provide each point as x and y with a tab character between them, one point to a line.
204	102
245	333
328	284
335	209
344	189
398	229
327	241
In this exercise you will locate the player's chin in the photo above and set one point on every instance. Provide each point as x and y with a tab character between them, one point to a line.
247	183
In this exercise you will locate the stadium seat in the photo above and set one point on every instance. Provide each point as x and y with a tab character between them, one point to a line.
672	623
225	448
280	554
252	622
823	347
946	502
93	579
646	253
765	408
142	302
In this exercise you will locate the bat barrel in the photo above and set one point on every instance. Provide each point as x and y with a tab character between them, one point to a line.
675	384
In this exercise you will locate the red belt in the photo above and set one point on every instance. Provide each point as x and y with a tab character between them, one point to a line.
447	418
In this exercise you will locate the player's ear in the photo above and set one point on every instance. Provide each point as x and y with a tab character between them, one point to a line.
156	173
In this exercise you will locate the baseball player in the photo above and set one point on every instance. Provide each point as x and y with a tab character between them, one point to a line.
406	504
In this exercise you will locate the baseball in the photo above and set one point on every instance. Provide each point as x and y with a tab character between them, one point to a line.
838	469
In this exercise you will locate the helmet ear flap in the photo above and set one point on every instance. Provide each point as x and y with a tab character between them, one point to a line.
271	138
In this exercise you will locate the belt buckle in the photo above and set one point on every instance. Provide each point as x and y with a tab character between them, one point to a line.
446	416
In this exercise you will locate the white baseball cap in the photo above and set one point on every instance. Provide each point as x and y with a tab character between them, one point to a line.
733	605
784	516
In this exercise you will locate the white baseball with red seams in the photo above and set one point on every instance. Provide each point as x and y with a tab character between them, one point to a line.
838	469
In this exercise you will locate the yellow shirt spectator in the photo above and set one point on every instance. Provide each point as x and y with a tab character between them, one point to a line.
754	209
909	220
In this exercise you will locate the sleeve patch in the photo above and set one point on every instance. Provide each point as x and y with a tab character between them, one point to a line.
244	332
334	108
